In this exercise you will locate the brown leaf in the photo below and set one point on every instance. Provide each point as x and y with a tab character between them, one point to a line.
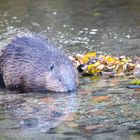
87	91
101	98
47	100
70	117
130	66
72	125
94	127
138	89
97	113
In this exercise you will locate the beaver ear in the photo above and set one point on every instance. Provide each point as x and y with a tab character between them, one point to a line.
51	66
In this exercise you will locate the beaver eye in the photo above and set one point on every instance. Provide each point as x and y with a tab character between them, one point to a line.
59	79
51	67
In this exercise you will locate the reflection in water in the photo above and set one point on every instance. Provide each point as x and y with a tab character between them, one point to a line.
112	136
35	113
100	110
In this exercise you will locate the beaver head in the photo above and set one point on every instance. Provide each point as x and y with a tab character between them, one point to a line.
33	63
60	74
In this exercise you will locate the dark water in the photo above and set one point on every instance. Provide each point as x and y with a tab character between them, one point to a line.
109	26
101	109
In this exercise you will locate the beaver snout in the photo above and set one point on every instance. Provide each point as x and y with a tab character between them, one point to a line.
68	76
71	86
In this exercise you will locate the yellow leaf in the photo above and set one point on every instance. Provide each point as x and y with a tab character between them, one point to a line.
90	66
92	69
88	56
95	71
97	64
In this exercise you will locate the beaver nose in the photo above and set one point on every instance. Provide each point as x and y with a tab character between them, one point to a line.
71	87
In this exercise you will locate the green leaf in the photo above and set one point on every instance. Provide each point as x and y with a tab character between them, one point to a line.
136	82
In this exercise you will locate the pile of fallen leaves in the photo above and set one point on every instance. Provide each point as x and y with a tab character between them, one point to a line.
106	65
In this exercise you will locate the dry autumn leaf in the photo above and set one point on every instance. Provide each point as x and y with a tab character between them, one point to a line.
101	64
97	99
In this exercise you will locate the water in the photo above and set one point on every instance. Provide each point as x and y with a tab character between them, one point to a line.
108	26
101	109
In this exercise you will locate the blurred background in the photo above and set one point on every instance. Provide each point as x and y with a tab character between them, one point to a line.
109	26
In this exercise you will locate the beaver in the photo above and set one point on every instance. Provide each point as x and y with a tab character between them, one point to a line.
32	63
